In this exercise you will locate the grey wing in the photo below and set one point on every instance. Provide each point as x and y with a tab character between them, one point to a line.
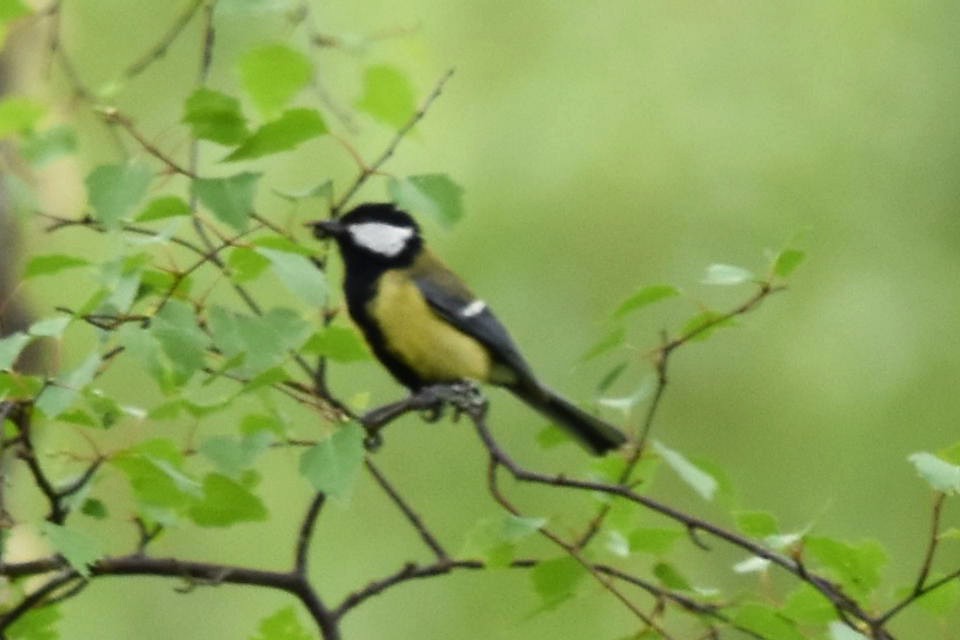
471	315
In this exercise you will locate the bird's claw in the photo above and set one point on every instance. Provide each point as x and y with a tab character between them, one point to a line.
465	397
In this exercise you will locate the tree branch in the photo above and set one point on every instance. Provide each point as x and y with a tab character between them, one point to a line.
428	538
306	534
661	366
367	171
831	591
163	45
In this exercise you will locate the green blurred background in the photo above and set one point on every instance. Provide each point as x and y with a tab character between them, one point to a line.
604	146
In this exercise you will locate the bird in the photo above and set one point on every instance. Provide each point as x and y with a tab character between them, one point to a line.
427	328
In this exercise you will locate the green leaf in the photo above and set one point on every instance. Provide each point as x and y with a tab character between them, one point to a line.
234	455
282	625
727	274
246	264
942	601
263	341
786	261
644	297
753	564
115	190
52	263
387	95
154	470
94	508
272	75
37	624
697	479
10	348
19	114
840	631
757	524
670	577
626	404
163	208
215	116
322	190
332	465
951	453
939	474
225	502
552	436
607	343
806	605
13	9
283	134
494	540
953	533
285	245
655	541
766	622
177	330
556	580
301	276
701	326
57	398
856	566
341	344
611	377
46	146
230	199
50	327
78	549
434	195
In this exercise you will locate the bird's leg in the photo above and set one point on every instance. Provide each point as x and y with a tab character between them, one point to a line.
429	401
463	396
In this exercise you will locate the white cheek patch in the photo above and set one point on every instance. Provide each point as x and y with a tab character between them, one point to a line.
379	237
475	308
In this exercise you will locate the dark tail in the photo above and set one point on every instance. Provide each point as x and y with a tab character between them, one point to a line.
591	432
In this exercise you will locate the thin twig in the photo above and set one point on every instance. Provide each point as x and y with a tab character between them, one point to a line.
931	544
35	598
571	550
425	534
833	592
305	535
163	45
112	116
367	171
661	365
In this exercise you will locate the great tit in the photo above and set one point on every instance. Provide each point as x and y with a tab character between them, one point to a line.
427	327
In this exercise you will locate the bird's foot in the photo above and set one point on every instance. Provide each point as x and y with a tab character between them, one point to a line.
465	397
431	402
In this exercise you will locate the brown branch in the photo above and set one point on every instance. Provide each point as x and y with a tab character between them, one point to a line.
197	573
163	45
831	591
661	366
570	549
306	534
412	516
921	587
35	599
932	544
21	416
687	603
367	171
112	116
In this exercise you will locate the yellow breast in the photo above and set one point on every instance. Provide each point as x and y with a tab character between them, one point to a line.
437	351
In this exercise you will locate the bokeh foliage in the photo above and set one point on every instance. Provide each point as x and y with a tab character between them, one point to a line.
603	148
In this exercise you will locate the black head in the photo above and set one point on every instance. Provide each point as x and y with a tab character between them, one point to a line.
374	232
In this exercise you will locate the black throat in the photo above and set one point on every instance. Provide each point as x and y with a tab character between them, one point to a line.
362	273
